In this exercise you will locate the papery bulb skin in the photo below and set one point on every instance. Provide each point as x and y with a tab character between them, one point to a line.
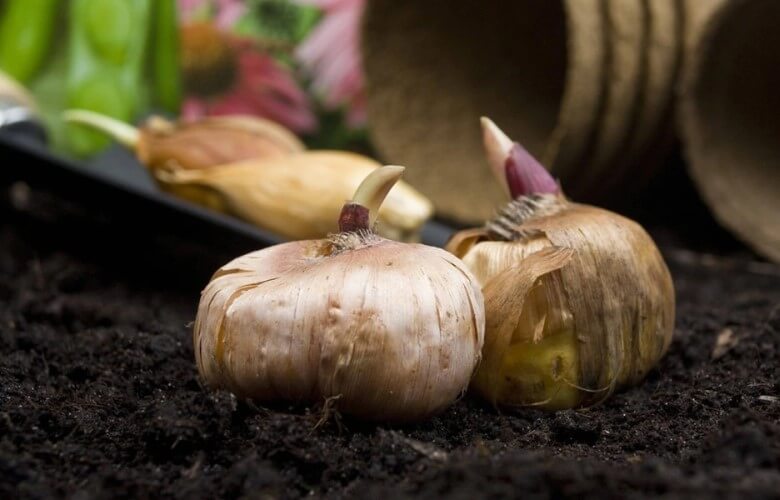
394	329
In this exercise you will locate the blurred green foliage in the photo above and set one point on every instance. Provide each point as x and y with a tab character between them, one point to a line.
26	28
107	41
277	21
121	58
116	57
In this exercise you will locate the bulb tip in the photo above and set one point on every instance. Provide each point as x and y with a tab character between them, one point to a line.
497	148
393	171
370	194
514	167
494	139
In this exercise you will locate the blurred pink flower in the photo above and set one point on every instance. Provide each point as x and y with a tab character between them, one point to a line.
331	55
260	86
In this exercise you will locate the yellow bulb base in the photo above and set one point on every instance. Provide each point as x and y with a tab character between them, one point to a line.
540	374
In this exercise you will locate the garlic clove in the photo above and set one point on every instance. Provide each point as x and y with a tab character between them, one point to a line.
204	143
257	170
613	303
299	196
214	141
569	334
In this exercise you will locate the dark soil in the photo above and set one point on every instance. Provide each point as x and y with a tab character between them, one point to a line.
99	397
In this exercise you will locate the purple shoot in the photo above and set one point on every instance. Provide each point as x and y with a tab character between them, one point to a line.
513	165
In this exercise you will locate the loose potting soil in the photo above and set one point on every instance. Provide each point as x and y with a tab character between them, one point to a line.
100	398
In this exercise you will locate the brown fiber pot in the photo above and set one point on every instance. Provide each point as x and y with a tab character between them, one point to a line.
730	117
651	135
626	32
434	67
583	84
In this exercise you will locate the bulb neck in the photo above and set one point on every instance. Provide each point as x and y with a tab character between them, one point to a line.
508	223
354	218
359	214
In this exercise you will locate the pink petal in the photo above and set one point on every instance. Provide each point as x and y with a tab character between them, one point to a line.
326	38
232	104
266	88
192	109
258	71
228	13
331	55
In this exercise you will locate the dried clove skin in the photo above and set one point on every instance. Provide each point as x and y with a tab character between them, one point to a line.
211	142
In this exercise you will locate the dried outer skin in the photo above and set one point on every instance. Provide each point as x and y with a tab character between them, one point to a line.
394	329
617	286
298	196
212	141
532	356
